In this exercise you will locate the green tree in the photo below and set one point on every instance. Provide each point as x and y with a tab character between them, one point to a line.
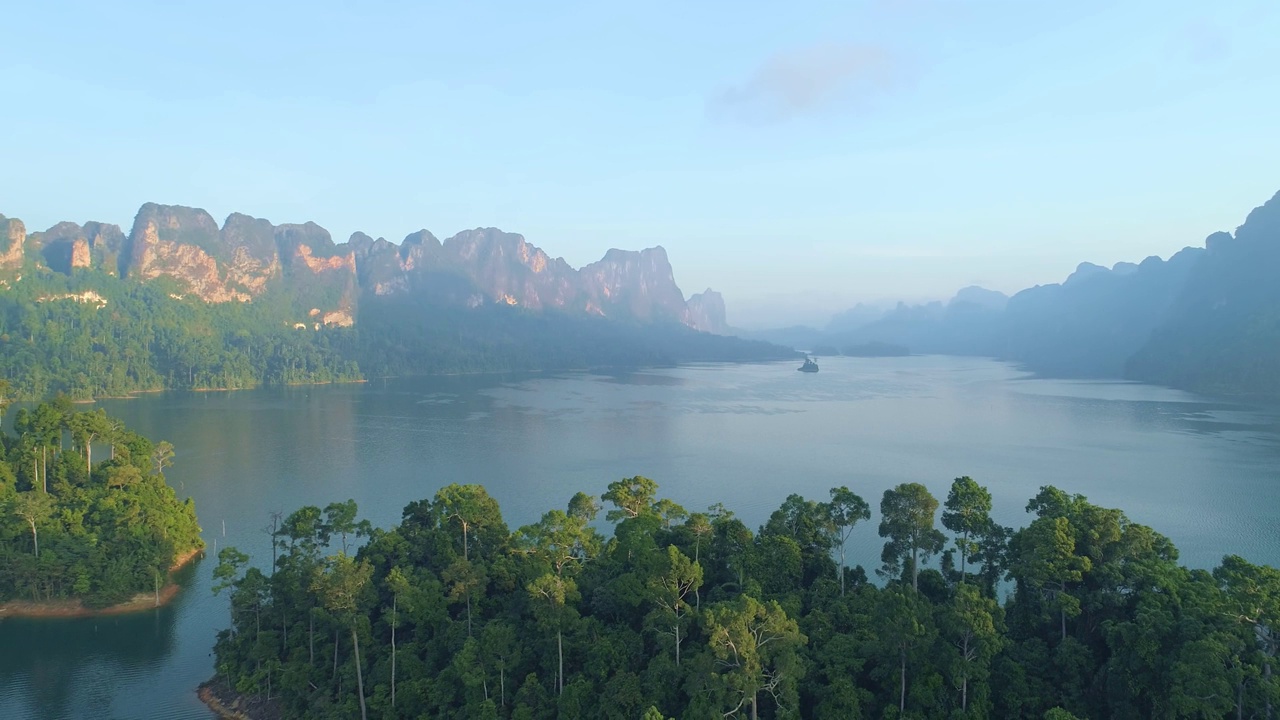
669	589
907	520
968	513
631	496
472	509
561	543
972	625
843	513
34	509
1252	598
1046	562
756	648
338	583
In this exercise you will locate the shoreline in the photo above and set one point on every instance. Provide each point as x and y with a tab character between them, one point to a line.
228	704
66	609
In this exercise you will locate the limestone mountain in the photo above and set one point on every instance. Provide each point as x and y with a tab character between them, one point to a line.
707	313
1221	332
13	241
300	266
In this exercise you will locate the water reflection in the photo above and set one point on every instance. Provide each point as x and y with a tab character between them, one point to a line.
1200	472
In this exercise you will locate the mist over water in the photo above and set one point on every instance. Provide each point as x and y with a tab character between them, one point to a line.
1200	471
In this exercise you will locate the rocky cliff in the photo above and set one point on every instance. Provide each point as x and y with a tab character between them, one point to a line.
13	239
247	258
706	312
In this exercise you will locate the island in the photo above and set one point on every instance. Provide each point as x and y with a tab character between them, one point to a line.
660	612
88	524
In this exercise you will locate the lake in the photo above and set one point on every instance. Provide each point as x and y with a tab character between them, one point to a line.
1206	473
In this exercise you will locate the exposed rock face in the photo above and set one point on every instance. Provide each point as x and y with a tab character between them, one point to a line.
706	312
249	257
13	239
507	269
637	285
243	259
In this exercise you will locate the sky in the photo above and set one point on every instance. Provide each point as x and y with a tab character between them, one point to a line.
798	157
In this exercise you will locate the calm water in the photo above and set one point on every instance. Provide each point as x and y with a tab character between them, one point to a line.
1207	474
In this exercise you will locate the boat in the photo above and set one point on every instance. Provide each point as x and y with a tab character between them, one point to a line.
808	366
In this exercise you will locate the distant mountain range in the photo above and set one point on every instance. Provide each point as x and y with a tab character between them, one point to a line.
247	257
181	302
1207	319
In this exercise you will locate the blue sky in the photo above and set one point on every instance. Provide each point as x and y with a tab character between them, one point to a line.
796	156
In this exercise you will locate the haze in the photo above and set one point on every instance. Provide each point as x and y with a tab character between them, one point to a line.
797	160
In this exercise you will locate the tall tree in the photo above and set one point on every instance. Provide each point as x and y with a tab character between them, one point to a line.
907	520
972	624
471	510
669	589
34	508
1045	562
756	648
561	543
1253	599
631	496
86	427
843	513
339	583
968	513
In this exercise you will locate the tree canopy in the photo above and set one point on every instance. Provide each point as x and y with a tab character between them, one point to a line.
693	615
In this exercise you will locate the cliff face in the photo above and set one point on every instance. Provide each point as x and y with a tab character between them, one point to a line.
488	266
249	257
706	312
243	260
13	239
640	285
68	246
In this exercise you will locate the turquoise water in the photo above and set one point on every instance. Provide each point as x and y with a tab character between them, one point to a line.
1205	473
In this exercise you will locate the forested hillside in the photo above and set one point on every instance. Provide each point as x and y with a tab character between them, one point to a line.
694	615
1222	334
92	336
77	525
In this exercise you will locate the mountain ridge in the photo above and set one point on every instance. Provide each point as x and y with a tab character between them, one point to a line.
246	257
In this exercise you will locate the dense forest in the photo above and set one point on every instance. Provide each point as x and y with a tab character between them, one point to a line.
693	615
75	525
126	337
85	336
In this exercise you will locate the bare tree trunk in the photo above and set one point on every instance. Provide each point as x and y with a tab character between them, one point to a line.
902	694
560	670
502	683
35	537
697	592
842	571
355	643
335	655
394	598
915	571
754	704
677	643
